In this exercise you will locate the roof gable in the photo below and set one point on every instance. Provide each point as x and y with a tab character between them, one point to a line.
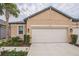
52	8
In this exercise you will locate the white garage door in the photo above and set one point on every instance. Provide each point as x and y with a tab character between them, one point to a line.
49	35
76	31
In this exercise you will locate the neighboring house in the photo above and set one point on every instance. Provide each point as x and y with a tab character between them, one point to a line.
17	29
51	25
2	29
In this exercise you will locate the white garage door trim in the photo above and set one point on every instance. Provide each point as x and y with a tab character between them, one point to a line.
47	36
49	26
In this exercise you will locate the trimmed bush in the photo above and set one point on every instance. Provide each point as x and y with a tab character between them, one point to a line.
14	41
15	38
2	44
27	39
74	38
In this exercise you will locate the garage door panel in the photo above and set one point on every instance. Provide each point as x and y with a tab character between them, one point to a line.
49	35
40	35
60	35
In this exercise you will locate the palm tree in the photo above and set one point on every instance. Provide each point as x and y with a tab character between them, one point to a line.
8	9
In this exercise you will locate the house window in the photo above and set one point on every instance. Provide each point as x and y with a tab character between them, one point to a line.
20	29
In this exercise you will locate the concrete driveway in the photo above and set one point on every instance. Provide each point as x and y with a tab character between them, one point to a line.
53	49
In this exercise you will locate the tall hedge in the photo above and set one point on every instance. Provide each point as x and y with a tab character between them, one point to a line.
74	38
27	39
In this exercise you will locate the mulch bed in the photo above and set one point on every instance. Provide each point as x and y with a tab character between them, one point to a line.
75	44
20	44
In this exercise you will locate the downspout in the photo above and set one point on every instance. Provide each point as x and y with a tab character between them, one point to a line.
70	30
26	27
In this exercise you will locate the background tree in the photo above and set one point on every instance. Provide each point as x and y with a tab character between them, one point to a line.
8	9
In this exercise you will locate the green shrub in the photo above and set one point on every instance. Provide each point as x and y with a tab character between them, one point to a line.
27	39
3	44
15	39
13	53
74	38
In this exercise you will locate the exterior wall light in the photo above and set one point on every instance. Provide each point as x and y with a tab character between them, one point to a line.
71	30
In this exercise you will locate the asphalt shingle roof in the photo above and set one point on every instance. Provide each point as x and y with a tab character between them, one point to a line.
66	15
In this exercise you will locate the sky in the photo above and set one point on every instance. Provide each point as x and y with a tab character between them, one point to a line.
27	9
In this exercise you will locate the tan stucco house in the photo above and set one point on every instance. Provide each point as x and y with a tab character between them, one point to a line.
47	26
